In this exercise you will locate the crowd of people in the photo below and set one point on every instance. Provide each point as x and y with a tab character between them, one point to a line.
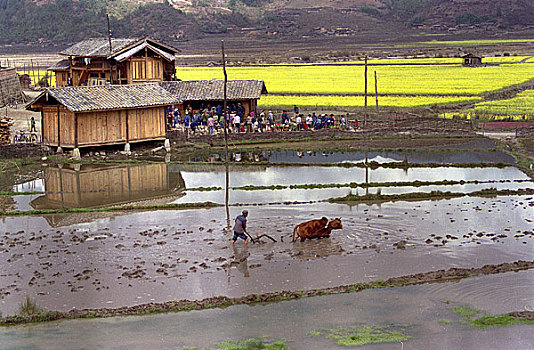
210	120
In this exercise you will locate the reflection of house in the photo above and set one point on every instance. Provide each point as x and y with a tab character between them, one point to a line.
471	60
198	92
102	115
127	61
93	186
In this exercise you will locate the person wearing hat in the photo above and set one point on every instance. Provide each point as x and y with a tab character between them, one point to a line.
240	227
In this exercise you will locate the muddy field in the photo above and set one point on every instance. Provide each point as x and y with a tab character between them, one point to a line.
92	260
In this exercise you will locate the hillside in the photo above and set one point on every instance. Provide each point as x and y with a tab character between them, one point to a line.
56	23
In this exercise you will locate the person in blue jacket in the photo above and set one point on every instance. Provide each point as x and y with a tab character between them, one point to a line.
240	227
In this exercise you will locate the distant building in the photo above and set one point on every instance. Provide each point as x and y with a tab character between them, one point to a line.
127	61
471	60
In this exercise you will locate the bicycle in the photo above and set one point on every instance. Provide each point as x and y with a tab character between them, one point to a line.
21	137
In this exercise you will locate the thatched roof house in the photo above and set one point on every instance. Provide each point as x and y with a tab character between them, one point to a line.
10	90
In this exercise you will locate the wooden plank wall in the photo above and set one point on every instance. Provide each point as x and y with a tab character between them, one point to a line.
147	123
107	127
60	186
101	127
66	124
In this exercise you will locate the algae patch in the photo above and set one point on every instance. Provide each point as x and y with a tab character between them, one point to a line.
249	344
466	311
359	336
499	321
487	321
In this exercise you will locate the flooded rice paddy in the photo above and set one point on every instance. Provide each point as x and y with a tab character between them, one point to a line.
414	157
111	259
91	260
425	310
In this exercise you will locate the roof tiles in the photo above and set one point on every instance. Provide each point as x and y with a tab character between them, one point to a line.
110	97
213	90
98	47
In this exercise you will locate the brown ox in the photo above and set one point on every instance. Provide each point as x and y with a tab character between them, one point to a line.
316	228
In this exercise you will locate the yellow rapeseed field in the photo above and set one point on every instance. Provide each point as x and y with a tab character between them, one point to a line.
403	79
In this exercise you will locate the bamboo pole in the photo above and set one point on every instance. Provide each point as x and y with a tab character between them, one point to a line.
365	96
224	101
227	178
33	72
376	94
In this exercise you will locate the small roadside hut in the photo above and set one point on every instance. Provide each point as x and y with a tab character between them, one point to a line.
203	92
471	60
85	116
10	90
124	61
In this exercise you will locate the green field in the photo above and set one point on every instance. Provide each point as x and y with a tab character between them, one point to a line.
441	60
475	42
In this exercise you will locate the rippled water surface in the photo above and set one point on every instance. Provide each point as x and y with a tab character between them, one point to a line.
422	308
114	259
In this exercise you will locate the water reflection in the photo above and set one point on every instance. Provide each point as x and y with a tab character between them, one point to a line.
92	186
240	261
417	157
317	248
211	176
98	186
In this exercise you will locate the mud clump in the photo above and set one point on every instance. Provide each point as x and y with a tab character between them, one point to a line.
522	315
135	274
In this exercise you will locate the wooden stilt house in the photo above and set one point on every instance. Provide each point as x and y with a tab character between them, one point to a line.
124	61
84	116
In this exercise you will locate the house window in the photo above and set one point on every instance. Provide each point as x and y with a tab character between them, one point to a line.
154	70
138	70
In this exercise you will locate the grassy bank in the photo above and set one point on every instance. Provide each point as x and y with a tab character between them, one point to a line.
428	195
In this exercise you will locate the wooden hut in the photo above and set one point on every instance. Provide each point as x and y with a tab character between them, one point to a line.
211	92
471	60
102	115
10	90
125	61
